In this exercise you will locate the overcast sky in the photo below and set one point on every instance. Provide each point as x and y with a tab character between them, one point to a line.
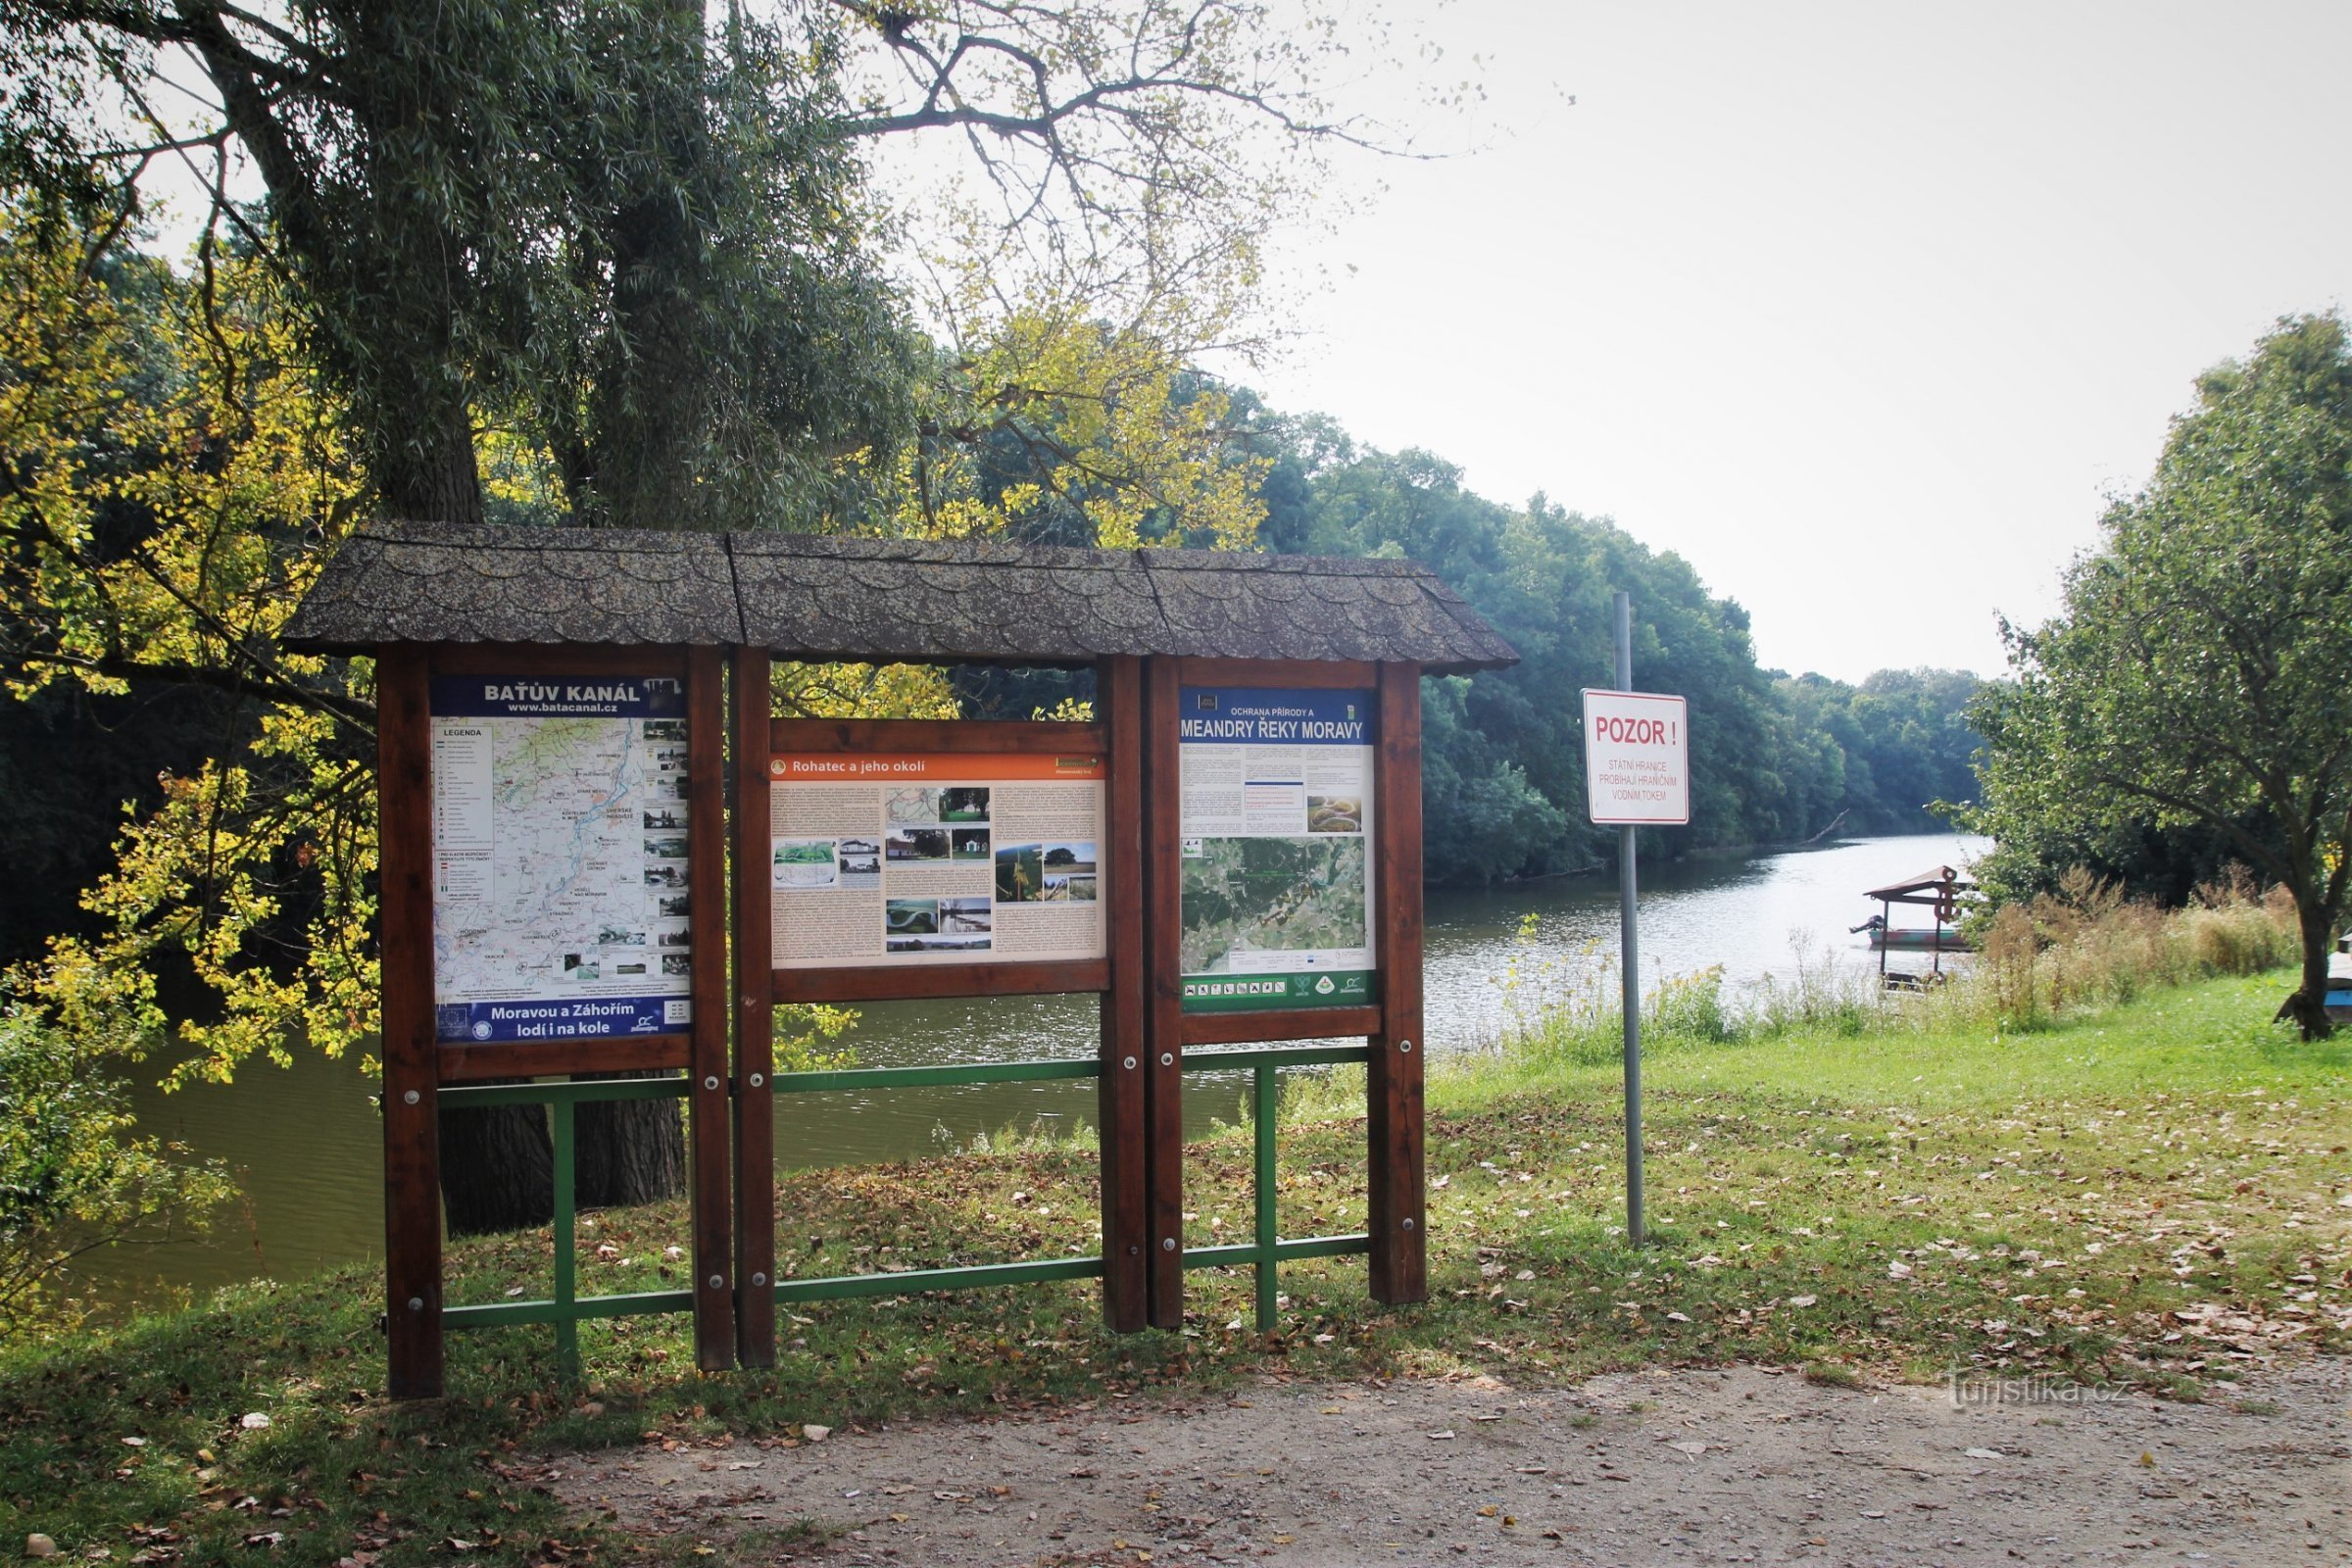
1864	308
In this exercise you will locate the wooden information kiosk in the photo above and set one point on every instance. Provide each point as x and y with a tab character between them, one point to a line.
593	828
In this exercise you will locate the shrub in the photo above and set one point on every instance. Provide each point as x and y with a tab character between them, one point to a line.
71	1177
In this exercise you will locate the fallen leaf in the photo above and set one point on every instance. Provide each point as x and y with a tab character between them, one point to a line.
1691	1446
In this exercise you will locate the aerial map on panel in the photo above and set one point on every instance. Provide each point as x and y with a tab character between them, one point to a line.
559	857
1245	898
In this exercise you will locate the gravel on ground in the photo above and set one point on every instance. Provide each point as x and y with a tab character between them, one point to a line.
1740	1465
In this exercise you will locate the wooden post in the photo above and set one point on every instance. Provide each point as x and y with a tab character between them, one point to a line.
706	1059
1163	996
412	1110
755	1023
1126	1233
1398	1224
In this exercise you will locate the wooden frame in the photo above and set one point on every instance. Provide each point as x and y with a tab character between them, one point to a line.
1395	1200
403	767
1396	1217
990	979
1121	1117
706	1102
730	1094
754	1100
417	1064
1117	737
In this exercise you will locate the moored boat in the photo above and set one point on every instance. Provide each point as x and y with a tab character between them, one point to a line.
1936	889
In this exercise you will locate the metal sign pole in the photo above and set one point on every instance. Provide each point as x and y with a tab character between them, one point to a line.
1630	960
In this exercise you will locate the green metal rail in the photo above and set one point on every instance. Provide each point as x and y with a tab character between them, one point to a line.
841	1287
565	1308
1267	1250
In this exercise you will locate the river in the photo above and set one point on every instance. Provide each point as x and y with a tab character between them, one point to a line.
306	1141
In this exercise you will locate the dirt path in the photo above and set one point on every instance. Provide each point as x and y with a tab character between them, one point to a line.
1744	1466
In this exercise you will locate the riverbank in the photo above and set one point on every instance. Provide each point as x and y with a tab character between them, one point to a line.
2153	1196
306	1143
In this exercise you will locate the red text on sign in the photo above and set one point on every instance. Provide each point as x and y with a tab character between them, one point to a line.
1635	731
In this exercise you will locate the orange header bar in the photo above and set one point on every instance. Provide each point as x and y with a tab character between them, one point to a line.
842	767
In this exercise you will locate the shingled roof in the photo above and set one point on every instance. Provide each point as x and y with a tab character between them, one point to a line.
820	597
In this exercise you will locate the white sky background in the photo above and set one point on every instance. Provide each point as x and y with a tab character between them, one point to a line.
1863	309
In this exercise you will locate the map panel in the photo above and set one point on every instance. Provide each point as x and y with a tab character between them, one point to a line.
560	866
1276	899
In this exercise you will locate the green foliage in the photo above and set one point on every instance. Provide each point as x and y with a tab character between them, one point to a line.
1773	759
1886	750
72	1176
2195	678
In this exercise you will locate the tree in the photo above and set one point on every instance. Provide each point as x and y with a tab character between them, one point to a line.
642	245
2197	672
633	269
654	246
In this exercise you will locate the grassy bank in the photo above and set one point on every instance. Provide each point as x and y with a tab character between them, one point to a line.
2151	1192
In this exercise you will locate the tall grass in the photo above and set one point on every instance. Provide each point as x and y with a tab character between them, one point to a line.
2086	945
2081	948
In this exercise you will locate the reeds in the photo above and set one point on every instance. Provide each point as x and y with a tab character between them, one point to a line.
2083	947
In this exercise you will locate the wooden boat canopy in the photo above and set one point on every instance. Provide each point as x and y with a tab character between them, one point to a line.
1937	884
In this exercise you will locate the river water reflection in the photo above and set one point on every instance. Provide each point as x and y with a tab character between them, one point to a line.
306	1140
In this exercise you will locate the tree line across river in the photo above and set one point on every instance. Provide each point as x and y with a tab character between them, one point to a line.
1774	758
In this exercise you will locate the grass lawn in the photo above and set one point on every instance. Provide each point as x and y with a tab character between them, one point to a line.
2159	1194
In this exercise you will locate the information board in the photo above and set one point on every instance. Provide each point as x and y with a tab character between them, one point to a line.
559	857
947	858
1636	757
1276	900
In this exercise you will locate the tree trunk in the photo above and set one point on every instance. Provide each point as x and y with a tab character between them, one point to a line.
648	400
428	475
497	1169
630	1151
2308	1006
